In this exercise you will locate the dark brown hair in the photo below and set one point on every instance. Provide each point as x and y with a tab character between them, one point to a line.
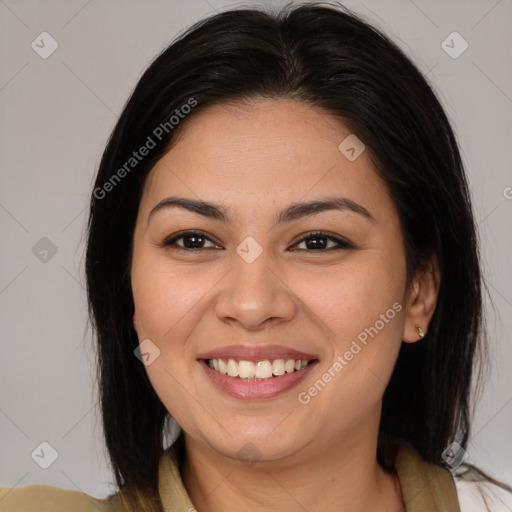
327	57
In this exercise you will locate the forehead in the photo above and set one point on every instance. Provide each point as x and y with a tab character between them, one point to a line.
250	153
287	130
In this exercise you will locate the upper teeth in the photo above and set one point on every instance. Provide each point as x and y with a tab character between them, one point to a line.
260	370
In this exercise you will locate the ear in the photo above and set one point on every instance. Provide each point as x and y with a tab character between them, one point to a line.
134	321
421	301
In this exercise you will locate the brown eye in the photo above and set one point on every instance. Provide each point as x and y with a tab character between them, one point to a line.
319	240
192	240
315	242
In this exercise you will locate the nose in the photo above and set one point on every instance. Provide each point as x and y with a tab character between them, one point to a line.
255	295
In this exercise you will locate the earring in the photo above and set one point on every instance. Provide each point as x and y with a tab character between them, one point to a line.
420	331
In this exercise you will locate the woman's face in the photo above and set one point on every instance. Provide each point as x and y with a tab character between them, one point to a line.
257	286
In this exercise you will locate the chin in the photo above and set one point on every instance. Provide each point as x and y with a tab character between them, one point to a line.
264	445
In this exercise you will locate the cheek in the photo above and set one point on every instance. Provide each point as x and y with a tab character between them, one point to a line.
163	294
362	309
363	315
167	302
353	299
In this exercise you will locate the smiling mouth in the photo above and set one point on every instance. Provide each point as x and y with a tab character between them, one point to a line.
260	370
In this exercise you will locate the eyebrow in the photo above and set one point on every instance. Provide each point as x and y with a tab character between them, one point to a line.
292	212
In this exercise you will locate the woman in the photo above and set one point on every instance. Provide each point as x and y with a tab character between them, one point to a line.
280	233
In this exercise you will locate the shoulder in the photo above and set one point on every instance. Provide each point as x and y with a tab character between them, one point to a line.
35	498
432	485
480	495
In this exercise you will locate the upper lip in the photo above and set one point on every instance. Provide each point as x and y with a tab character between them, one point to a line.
255	353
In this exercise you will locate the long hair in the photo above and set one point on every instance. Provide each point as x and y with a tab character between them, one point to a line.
327	57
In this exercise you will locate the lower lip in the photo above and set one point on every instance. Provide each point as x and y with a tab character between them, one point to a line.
256	389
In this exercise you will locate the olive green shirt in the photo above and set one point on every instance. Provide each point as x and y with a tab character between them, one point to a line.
425	488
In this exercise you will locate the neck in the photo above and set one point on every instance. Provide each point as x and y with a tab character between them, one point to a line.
343	476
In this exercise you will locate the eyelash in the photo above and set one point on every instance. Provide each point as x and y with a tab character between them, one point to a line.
342	244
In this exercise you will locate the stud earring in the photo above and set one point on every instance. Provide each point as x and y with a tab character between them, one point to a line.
420	331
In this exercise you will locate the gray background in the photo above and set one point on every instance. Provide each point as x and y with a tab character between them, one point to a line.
56	114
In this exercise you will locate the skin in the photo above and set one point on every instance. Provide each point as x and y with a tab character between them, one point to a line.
255	159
